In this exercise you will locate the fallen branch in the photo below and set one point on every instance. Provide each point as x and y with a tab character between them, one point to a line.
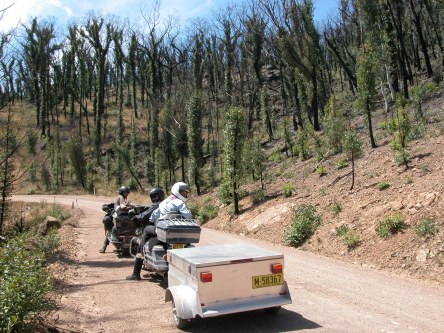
338	178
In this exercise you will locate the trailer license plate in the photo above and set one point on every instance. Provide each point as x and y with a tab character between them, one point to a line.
178	246
262	281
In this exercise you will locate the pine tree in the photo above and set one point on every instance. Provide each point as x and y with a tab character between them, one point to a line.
334	126
352	150
195	110
168	138
78	162
234	135
257	161
366	78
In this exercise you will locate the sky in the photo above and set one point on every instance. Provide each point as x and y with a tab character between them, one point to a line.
64	10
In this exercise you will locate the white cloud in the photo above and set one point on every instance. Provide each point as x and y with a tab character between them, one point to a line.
22	10
16	13
64	9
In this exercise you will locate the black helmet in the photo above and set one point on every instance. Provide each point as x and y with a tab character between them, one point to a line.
123	189
157	192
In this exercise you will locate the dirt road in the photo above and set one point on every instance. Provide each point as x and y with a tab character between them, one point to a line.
328	296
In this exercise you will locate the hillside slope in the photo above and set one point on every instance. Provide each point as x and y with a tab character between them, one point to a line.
416	193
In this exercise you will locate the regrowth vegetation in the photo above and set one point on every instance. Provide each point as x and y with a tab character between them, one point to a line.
24	280
303	224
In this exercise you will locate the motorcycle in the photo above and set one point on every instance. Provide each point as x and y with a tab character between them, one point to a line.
173	232
123	225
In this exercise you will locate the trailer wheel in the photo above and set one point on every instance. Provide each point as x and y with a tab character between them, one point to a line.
179	322
272	311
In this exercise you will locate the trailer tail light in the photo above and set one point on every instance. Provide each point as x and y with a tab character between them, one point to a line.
277	268
206	277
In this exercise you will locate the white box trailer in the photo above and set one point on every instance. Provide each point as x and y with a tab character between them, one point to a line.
216	280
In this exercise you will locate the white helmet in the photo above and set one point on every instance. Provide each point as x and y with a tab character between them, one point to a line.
180	186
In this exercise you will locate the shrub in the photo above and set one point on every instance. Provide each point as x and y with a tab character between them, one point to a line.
295	150
321	171
225	194
48	243
32	174
132	184
408	180
24	283
31	141
194	208
384	125
401	128
60	213
350	239
207	212
288	190
424	168
230	209
382	185
257	196
335	208
390	225
402	157
342	230
304	223
341	164
417	132
426	227
334	126
275	157
302	144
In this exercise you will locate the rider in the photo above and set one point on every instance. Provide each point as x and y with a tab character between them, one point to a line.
156	195
174	204
121	204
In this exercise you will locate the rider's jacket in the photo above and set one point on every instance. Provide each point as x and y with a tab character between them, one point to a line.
122	202
145	215
169	206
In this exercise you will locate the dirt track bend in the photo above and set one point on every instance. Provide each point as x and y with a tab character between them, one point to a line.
328	296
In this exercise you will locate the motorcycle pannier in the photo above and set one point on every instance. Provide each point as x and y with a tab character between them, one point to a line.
108	207
180	231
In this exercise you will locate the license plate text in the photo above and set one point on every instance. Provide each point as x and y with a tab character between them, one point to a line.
269	280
